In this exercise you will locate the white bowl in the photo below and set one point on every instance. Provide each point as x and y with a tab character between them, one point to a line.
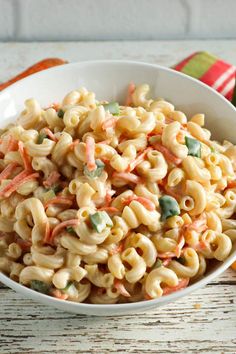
109	80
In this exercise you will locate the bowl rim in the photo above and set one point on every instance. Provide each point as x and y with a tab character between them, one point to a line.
129	305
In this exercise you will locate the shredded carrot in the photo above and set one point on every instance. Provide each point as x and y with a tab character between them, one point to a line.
181	137
47	233
11	187
183	283
52	179
198	224
57	229
108	197
129	177
109	123
55	106
59	200
231	184
12	144
25	156
50	134
24	244
74	144
133	164
147	297
148	204
90	153
121	288
165	255
233	266
166	262
131	89
58	294
8	170
118	249
167	154
109	209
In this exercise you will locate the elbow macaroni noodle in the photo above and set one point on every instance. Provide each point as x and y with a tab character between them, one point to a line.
104	203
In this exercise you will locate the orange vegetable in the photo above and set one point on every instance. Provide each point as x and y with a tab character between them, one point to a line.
58	294
183	283
52	179
167	154
131	89
59	200
109	123
41	65
109	209
133	164
8	170
12	144
148	204
90	153
50	134
121	288
25	156
128	177
11	187
57	229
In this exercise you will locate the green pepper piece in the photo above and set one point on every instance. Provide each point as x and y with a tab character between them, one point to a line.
97	221
70	230
60	113
67	286
41	137
56	188
112	107
158	263
194	146
40	286
95	173
169	207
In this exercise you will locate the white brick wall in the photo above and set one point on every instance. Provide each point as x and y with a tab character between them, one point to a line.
116	19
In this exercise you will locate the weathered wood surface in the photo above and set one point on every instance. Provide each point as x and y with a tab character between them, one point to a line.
28	327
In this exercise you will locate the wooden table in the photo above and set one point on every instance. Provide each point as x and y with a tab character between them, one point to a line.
28	327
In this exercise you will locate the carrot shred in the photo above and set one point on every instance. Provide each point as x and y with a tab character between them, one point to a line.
59	200
198	225
24	244
8	170
109	123
47	233
167	154
148	204
126	176
119	248
231	184
12	144
90	153
50	134
180	245
166	262
133	164
57	229
233	266
11	187
147	297
52	179
118	284
58	294
25	156
183	283
131	89
74	144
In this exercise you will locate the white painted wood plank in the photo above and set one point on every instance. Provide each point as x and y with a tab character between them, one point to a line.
27	327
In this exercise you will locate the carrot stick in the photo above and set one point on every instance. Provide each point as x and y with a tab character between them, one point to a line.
58	200
58	294
121	288
12	144
61	226
90	153
148	204
25	156
109	123
41	65
8	170
133	164
52	179
50	134
183	283
109	209
24	244
11	187
129	177
167	154
131	89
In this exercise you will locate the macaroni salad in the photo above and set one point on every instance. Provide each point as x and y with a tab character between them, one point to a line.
103	203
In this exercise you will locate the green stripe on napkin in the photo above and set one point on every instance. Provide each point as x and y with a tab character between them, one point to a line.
199	64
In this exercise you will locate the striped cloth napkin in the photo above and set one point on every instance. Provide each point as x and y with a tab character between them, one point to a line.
211	70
